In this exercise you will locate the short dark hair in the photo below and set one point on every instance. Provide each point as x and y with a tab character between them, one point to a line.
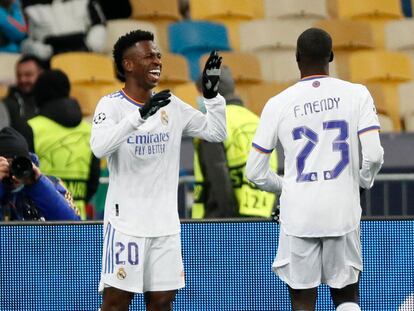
125	42
315	45
32	58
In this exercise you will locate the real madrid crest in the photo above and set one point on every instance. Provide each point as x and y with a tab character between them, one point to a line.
164	117
121	274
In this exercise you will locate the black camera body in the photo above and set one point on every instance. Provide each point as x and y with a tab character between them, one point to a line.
22	168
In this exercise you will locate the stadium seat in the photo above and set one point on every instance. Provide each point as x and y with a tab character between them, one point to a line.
274	44
174	71
8	71
88	95
376	66
406	95
293	9
409	122
348	36
195	38
188	93
85	67
159	12
245	67
375	12
404	41
257	95
386	99
385	123
230	13
118	27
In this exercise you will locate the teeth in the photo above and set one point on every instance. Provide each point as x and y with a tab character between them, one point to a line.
156	71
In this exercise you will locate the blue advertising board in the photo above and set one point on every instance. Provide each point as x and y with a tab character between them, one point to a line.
227	267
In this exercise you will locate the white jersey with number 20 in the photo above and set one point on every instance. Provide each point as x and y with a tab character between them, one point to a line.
318	121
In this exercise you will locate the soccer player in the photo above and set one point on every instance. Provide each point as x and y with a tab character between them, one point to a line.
140	134
319	121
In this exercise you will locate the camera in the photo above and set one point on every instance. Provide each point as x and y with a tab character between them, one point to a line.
22	167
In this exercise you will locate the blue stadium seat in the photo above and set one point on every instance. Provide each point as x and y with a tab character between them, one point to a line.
195	38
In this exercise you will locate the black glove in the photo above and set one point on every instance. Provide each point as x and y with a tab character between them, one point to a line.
156	102
211	75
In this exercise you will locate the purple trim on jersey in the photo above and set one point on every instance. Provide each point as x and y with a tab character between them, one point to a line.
313	77
130	99
261	149
367	129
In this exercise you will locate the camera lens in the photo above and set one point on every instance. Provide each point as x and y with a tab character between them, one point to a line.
22	167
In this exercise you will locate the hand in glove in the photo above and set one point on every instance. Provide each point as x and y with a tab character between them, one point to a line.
156	102
211	75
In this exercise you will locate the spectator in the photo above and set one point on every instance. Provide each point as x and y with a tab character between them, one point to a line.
221	187
61	138
4	116
12	26
20	101
63	26
116	9
27	194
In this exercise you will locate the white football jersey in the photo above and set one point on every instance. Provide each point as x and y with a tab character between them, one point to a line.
318	121
144	156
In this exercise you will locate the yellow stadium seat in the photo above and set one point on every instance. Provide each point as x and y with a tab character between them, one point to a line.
174	70
372	9
85	67
245	67
117	27
88	95
257	95
386	99
315	9
188	93
8	71
258	9
375	12
231	13
348	36
376	66
159	12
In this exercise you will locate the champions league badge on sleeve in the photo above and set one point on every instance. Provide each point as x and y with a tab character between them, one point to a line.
99	118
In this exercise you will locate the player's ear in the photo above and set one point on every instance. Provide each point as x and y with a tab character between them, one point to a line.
127	64
331	57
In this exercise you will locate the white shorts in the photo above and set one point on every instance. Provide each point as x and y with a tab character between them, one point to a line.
305	263
138	265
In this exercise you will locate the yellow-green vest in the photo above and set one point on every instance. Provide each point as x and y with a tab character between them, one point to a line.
241	128
65	153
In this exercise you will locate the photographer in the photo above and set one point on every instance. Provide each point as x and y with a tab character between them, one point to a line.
26	194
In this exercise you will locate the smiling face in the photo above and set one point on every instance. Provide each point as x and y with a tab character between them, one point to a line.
142	63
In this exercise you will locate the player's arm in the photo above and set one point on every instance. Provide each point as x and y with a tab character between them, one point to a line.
368	131
212	125
258	171
108	133
372	158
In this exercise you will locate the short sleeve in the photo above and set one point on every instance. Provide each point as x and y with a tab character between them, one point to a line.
368	119
265	139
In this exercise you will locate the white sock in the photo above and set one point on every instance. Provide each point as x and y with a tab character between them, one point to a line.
348	306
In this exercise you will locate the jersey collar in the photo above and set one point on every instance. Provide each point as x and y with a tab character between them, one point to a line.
130	99
312	77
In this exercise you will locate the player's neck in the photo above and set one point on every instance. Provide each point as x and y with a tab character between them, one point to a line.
314	71
138	94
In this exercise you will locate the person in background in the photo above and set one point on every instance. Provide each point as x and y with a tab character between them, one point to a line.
57	26
25	193
140	133
19	101
13	27
61	138
319	121
221	187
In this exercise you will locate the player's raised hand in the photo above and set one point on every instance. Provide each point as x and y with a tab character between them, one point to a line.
156	102
211	75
